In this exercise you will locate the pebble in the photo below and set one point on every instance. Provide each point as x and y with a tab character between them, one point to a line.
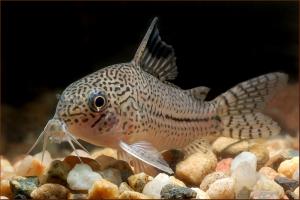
224	165
210	178
288	167
132	195
268	172
74	160
265	184
244	193
138	181
47	157
30	166
193	169
105	151
77	196
124	187
276	145
247	157
200	193
103	189
22	187
80	153
57	172
275	161
296	175
153	188
263	195
50	191
291	195
6	169
172	157
82	177
109	162
171	191
221	189
176	181
289	153
243	170
113	175
229	147
286	183
5	189
261	153
296	191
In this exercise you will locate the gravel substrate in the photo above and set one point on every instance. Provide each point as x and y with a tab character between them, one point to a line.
252	169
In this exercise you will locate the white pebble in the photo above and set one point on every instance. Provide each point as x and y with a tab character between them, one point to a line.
245	156
244	176
82	177
154	187
200	194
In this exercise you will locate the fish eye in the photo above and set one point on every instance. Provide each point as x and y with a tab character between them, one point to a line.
97	102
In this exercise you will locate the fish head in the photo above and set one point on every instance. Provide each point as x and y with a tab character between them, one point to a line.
98	107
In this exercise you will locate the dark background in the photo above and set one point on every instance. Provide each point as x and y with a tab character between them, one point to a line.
48	45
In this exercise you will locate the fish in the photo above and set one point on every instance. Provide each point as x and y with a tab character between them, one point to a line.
134	108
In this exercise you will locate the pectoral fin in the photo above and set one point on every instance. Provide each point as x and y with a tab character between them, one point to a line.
145	152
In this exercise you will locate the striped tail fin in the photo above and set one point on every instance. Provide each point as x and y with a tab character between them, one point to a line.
240	107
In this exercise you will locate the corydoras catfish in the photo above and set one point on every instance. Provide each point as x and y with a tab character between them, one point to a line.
132	107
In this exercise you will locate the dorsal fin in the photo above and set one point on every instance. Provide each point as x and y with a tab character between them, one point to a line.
198	93
155	56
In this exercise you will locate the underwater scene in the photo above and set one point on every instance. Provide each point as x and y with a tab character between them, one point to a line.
149	100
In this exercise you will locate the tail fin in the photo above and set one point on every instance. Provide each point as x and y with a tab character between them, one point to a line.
239	108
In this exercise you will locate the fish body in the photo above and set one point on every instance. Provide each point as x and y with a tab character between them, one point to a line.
132	106
141	107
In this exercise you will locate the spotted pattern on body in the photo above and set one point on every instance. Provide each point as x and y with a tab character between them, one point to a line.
132	106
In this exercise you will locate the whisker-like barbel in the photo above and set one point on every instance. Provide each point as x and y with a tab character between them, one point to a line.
56	131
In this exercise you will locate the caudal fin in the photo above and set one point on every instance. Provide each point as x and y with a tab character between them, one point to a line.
240	107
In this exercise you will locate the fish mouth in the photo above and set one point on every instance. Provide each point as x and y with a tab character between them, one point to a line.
57	131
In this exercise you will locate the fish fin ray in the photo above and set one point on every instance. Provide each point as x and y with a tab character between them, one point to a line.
198	145
145	152
240	107
138	165
199	93
155	56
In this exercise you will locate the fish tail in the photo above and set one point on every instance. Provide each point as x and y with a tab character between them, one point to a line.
240	107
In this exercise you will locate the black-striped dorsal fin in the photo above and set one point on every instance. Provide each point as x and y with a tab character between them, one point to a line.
155	56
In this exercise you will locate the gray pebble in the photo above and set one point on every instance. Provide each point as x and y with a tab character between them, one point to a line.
171	191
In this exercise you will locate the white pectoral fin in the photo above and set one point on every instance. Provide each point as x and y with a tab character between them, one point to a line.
145	152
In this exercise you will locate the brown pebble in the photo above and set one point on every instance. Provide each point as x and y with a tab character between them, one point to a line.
138	181
5	189
50	191
103	189
193	169
261	153
133	195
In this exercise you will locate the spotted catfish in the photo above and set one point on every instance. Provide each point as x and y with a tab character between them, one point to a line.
132	107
